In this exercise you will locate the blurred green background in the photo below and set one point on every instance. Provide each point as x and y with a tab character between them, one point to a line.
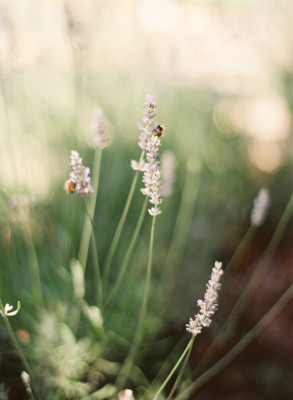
221	74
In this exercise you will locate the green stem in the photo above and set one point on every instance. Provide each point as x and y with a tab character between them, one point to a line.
88	234
178	380
34	265
183	222
128	363
97	271
14	341
239	347
86	231
128	253
187	350
240	250
120	226
165	366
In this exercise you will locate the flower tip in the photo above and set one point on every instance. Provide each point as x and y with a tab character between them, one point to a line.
149	98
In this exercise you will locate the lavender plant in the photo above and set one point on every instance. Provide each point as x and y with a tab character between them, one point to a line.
208	306
70	351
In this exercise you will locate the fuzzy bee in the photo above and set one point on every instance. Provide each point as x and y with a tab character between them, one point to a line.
69	186
159	130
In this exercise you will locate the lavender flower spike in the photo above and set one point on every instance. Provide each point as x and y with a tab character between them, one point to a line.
99	126
149	142
209	305
79	180
148	121
261	205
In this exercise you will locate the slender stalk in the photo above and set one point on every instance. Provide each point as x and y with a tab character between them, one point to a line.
187	350
246	293
179	377
97	271
86	231
34	265
240	250
128	363
165	366
88	234
14	341
120	226
239	347
128	253
183	222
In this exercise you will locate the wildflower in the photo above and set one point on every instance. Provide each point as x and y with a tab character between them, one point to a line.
149	142
8	308
209	305
126	394
79	180
26	381
168	172
99	126
260	207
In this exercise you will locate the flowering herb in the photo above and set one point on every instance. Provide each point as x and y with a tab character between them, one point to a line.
209	305
149	142
79	180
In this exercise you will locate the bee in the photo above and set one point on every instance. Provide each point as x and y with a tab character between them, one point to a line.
69	186
159	129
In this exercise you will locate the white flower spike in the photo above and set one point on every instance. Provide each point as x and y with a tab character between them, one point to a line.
209	305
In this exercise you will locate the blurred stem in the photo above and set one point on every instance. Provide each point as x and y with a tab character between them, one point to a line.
239	347
97	271
128	253
246	293
165	367
15	342
120	226
86	231
183	221
34	265
240	250
128	363
186	351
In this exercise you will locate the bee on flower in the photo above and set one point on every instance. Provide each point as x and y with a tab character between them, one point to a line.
79	180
